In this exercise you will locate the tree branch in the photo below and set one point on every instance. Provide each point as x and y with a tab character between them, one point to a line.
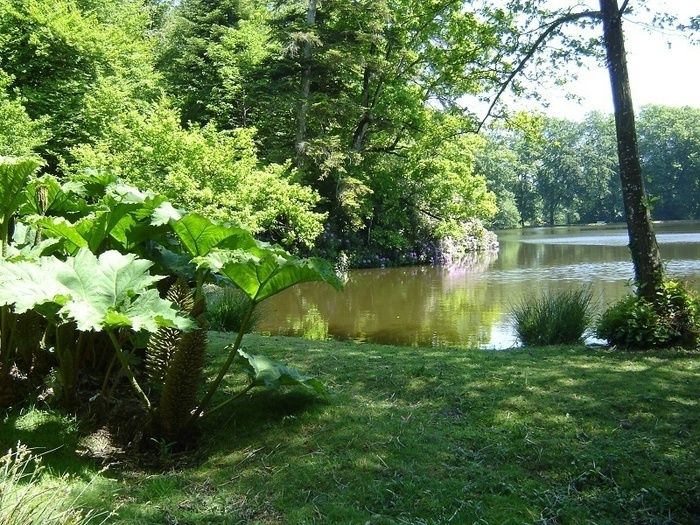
540	40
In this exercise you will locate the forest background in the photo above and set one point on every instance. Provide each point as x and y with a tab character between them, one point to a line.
332	127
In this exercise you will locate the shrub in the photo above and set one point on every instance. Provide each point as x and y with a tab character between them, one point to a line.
555	318
214	173
226	309
672	320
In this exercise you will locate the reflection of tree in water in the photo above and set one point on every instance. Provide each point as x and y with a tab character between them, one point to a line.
472	263
463	306
311	325
407	306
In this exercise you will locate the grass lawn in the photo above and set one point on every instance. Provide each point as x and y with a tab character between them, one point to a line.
421	435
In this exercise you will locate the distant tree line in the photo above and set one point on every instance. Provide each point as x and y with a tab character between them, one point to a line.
553	171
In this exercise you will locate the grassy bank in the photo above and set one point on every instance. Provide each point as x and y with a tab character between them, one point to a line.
422	435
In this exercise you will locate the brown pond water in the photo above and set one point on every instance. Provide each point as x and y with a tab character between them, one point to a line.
469	307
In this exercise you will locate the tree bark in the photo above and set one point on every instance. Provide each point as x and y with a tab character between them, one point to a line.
648	267
302	113
358	137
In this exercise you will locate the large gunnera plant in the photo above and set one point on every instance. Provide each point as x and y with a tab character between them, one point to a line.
80	264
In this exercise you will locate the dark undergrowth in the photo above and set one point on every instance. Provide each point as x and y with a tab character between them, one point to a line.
419	436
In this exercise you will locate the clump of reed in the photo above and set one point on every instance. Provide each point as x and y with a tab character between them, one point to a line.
561	317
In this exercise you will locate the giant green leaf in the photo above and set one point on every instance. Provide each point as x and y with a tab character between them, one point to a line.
27	244
264	271
14	176
144	217
200	235
97	227
62	229
122	193
111	291
94	230
93	183
267	373
146	312
164	213
30	284
101	287
47	196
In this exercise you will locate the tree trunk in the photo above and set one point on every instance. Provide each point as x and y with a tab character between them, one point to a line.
648	268
358	138
300	141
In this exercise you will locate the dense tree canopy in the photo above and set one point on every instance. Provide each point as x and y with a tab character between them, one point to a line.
329	126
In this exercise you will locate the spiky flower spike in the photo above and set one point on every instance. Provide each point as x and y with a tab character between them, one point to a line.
184	377
163	344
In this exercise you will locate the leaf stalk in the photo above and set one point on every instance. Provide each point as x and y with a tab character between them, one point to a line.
233	353
127	370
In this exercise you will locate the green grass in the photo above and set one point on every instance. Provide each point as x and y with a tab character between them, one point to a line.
434	436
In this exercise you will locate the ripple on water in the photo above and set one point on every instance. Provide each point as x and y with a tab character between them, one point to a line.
615	239
604	271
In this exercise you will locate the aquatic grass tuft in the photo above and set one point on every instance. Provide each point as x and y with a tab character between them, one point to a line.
226	309
553	318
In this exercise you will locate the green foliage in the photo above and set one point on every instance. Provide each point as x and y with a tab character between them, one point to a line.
199	235
264	271
84	287
259	273
14	176
669	141
20	135
394	174
105	214
500	166
108	292
555	318
673	319
559	171
208	55
508	215
212	173
226	310
61	54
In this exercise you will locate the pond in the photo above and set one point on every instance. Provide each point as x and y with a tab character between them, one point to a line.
469	307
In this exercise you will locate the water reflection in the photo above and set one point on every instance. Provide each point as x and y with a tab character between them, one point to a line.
468	307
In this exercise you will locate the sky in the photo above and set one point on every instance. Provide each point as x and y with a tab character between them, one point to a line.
664	68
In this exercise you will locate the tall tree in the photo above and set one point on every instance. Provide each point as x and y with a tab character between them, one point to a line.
303	111
75	64
648	268
560	168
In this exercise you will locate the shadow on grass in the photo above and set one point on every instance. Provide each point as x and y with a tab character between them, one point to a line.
553	434
248	419
52	435
562	435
